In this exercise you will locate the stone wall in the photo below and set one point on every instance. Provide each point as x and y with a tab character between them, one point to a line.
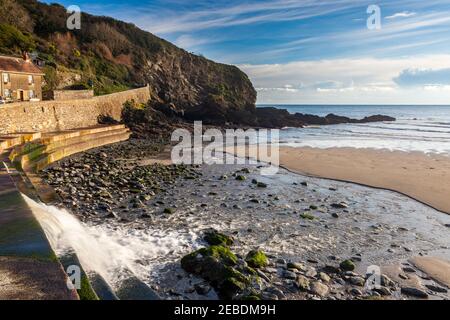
62	95
45	116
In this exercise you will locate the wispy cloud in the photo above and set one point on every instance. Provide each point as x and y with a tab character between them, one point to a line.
235	14
352	80
404	14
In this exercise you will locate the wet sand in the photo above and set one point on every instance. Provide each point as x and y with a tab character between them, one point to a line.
425	178
436	268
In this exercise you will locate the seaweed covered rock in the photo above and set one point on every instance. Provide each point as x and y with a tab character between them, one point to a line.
217	264
347	265
214	238
256	259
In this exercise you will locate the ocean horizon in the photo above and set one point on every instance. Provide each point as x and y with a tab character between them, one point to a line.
422	128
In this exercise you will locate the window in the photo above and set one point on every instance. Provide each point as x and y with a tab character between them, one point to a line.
7	93
31	94
6	78
30	79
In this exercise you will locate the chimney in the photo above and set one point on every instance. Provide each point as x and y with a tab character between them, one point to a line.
26	56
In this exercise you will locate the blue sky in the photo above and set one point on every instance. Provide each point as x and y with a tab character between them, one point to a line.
309	51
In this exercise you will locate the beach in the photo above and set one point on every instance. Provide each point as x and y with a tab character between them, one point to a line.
143	216
423	177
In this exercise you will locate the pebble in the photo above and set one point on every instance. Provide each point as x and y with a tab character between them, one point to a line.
263	275
324	277
357	281
383	291
355	292
302	283
319	289
289	275
295	265
268	296
436	288
311	272
414	292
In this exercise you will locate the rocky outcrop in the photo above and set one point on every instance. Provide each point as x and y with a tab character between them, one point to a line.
278	118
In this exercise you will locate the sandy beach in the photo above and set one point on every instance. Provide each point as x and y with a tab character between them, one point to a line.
415	174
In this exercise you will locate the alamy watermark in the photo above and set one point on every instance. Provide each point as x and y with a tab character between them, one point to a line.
373	280
374	20
74	277
214	146
74	20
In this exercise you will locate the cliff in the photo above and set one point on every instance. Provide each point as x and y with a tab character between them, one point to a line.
112	56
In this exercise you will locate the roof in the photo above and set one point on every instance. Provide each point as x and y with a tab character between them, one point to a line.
13	64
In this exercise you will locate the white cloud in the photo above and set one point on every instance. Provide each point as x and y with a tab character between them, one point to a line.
363	80
404	14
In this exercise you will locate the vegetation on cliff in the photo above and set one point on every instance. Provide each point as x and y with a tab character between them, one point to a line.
111	56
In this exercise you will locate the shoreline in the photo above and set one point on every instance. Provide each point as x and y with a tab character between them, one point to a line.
412	174
302	226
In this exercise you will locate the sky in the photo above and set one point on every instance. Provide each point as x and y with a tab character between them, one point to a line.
309	51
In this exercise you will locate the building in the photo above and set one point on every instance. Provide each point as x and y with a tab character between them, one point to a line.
21	80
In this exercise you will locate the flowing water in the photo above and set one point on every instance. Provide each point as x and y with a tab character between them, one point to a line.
108	249
381	226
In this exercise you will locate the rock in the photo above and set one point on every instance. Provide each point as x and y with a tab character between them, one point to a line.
213	237
263	275
302	283
383	291
355	292
216	265
169	210
319	289
307	216
340	205
324	277
202	288
304	183
240	178
261	185
409	270
256	259
313	207
386	281
289	275
280	294
436	288
335	215
271	270
268	296
414	292
331	269
357	281
311	272
347	265
295	265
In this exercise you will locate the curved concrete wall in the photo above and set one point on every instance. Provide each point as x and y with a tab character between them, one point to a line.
45	116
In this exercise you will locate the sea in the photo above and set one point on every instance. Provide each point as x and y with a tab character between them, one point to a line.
423	128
